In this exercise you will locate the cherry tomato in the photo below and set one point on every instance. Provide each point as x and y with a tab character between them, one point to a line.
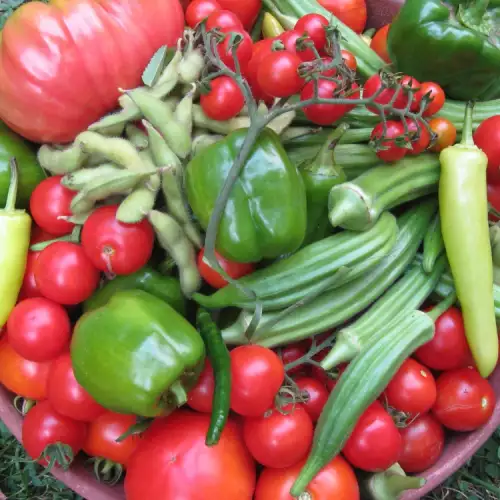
379	43
48	202
351	12
448	349
349	60
465	401
65	274
103	433
39	329
43	426
198	10
336	480
291	353
374	84
412	390
222	19
234	269
21	376
410	83
423	443
278	74
375	443
260	50
114	246
279	438
38	235
257	374
424	137
445	131
313	25
67	396
494	200
436	93
291	42
487	137
316	394
200	396
243	52
246	11
393	151
326	114
225	99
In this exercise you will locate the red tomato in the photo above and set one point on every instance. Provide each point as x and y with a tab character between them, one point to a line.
114	246
375	443
465	401
43	426
448	349
316	394
336	480
436	93
412	390
39	329
424	137
487	137
75	62
246	11
279	439
423	443
260	50
351	12
65	274
290	39
29	288
256	374
225	99
243	52
172	461
234	269
20	376
48	202
325	114
379	43
201	395
67	396
222	19
374	84
392	151
494	200
349	60
291	353
445	131
198	10
103	433
313	25
278	74
38	235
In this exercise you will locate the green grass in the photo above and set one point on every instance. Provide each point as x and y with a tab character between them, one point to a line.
21	479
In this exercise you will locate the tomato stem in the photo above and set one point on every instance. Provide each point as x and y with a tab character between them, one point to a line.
443	306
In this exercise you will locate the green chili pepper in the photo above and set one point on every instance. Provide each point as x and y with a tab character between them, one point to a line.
463	209
221	364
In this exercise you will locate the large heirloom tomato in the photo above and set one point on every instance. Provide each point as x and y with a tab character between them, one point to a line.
61	64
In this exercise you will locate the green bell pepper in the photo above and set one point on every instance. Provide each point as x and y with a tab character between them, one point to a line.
136	354
147	279
455	43
266	215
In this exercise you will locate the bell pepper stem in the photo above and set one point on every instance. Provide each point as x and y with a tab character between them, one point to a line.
467	139
389	485
14	182
178	393
443	306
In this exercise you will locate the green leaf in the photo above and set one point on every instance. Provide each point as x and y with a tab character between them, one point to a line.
156	65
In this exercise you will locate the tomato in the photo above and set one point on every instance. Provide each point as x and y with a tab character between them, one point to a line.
260	50
375	443
224	100
20	376
39	329
465	401
494	200
291	353
316	394
372	87
278	74
198	10
279	438
424	137
256	374
423	443
201	395
326	114
448	349
65	274
103	432
412	390
445	131
38	235
246	11
392	151
50	200
290	40
222	19
43	426
314	26
379	43
243	52
349	60
336	480
351	12
436	93
487	138
172	461
234	269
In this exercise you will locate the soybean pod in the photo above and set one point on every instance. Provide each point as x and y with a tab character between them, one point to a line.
60	161
77	180
136	136
433	245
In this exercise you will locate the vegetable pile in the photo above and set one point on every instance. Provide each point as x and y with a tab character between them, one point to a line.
265	269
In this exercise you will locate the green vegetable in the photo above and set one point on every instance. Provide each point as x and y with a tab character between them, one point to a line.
290	279
433	244
453	43
147	279
358	204
136	354
266	215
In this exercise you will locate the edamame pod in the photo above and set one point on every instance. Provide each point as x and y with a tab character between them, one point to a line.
77	180
60	161
191	66
184	111
136	136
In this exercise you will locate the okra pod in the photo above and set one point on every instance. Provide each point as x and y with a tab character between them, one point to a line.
433	244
